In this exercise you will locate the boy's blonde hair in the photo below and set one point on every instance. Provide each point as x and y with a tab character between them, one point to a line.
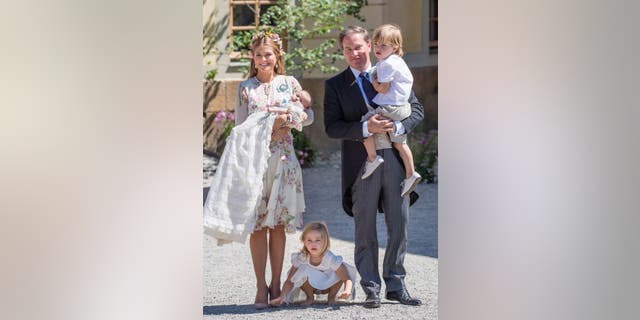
319	226
389	34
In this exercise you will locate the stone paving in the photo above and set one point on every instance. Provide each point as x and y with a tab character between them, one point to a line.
229	282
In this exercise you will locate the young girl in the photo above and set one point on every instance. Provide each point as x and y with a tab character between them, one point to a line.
316	270
393	83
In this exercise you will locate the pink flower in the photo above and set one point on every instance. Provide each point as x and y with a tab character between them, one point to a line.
231	116
220	116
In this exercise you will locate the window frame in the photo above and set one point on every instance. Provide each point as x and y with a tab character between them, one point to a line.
256	20
433	26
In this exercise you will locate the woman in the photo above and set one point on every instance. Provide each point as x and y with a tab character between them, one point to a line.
257	188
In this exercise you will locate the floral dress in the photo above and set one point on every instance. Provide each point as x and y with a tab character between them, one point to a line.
282	200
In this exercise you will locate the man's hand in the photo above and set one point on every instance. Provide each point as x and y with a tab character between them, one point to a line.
379	124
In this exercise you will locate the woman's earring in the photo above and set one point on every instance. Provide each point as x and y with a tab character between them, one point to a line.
276	66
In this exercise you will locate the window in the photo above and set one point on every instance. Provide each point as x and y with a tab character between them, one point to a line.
244	16
433	26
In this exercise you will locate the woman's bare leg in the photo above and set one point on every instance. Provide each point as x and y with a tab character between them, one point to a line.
258	245
277	242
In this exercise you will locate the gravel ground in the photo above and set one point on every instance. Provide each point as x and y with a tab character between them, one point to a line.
229	283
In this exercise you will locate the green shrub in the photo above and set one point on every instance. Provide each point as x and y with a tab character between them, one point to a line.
303	21
216	130
305	152
425	154
211	74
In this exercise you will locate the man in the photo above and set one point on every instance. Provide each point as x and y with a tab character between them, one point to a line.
345	101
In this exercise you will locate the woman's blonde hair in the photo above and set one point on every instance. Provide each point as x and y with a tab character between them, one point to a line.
315	226
270	39
389	34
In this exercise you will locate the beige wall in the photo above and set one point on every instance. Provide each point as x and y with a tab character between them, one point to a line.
215	23
407	14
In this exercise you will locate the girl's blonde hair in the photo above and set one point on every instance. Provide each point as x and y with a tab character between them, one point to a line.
389	34
272	40
315	226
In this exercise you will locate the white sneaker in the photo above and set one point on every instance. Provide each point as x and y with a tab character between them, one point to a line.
410	183
370	167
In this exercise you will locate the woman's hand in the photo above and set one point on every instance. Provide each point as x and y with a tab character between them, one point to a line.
280	134
277	110
280	121
280	130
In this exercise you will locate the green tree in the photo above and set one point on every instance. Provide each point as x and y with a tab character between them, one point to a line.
300	20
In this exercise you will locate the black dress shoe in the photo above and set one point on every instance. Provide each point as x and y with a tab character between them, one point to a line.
372	301
403	297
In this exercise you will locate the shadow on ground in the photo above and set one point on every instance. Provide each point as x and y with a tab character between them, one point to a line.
248	309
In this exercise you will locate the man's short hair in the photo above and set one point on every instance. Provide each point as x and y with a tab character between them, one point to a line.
354	29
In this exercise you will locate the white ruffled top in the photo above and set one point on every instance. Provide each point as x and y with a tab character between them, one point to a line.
320	277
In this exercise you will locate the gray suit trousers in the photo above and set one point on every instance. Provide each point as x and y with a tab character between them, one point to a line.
383	184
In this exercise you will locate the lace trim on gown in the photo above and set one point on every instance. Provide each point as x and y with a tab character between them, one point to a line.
231	205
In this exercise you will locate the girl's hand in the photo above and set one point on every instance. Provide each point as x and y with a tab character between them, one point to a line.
277	301
348	286
344	294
